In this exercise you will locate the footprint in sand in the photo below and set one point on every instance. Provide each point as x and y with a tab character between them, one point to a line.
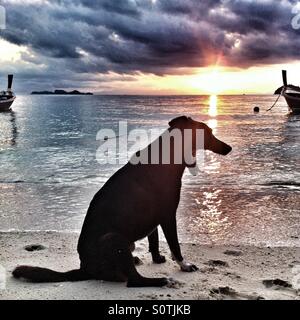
232	275
278	284
225	293
218	263
234	253
34	247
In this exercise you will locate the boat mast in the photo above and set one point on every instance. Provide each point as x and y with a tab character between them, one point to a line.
9	83
284	78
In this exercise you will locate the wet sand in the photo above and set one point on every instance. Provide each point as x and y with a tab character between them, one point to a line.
226	272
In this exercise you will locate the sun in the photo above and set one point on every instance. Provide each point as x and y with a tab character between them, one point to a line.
214	82
209	80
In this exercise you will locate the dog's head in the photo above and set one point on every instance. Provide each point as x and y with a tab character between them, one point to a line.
210	141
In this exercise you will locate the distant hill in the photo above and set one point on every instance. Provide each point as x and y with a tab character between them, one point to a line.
57	92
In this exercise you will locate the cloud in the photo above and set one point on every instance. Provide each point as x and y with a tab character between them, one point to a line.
143	36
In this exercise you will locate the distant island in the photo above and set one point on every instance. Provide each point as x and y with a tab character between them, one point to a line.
74	92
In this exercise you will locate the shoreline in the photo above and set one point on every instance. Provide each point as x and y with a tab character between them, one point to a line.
225	272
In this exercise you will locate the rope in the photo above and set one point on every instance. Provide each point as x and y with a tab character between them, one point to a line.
274	104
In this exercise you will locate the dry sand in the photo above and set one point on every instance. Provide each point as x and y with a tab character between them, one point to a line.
226	272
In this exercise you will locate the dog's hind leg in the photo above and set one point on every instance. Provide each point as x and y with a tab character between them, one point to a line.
117	260
154	247
137	280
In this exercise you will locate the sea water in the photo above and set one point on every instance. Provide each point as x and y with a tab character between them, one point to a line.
49	171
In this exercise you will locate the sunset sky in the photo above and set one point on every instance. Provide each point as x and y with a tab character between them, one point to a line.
150	46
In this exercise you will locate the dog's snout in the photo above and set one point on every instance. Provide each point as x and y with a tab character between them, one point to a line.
220	147
227	149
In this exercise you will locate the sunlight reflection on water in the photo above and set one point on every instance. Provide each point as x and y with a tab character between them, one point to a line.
213	112
213	104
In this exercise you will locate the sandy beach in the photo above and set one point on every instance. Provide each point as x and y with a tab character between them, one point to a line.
226	272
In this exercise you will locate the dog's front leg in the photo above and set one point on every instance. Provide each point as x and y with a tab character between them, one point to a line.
154	247
170	231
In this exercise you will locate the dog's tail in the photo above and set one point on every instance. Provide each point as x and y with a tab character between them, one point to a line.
36	274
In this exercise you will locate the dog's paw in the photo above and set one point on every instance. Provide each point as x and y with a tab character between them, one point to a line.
172	283
188	267
158	259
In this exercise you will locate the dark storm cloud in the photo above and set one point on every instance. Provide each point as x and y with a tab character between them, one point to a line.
132	36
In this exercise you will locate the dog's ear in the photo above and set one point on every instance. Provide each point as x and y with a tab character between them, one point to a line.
179	122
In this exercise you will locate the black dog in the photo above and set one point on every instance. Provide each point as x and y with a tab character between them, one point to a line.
129	207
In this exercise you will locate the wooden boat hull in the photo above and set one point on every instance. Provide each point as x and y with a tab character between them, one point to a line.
293	101
6	104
